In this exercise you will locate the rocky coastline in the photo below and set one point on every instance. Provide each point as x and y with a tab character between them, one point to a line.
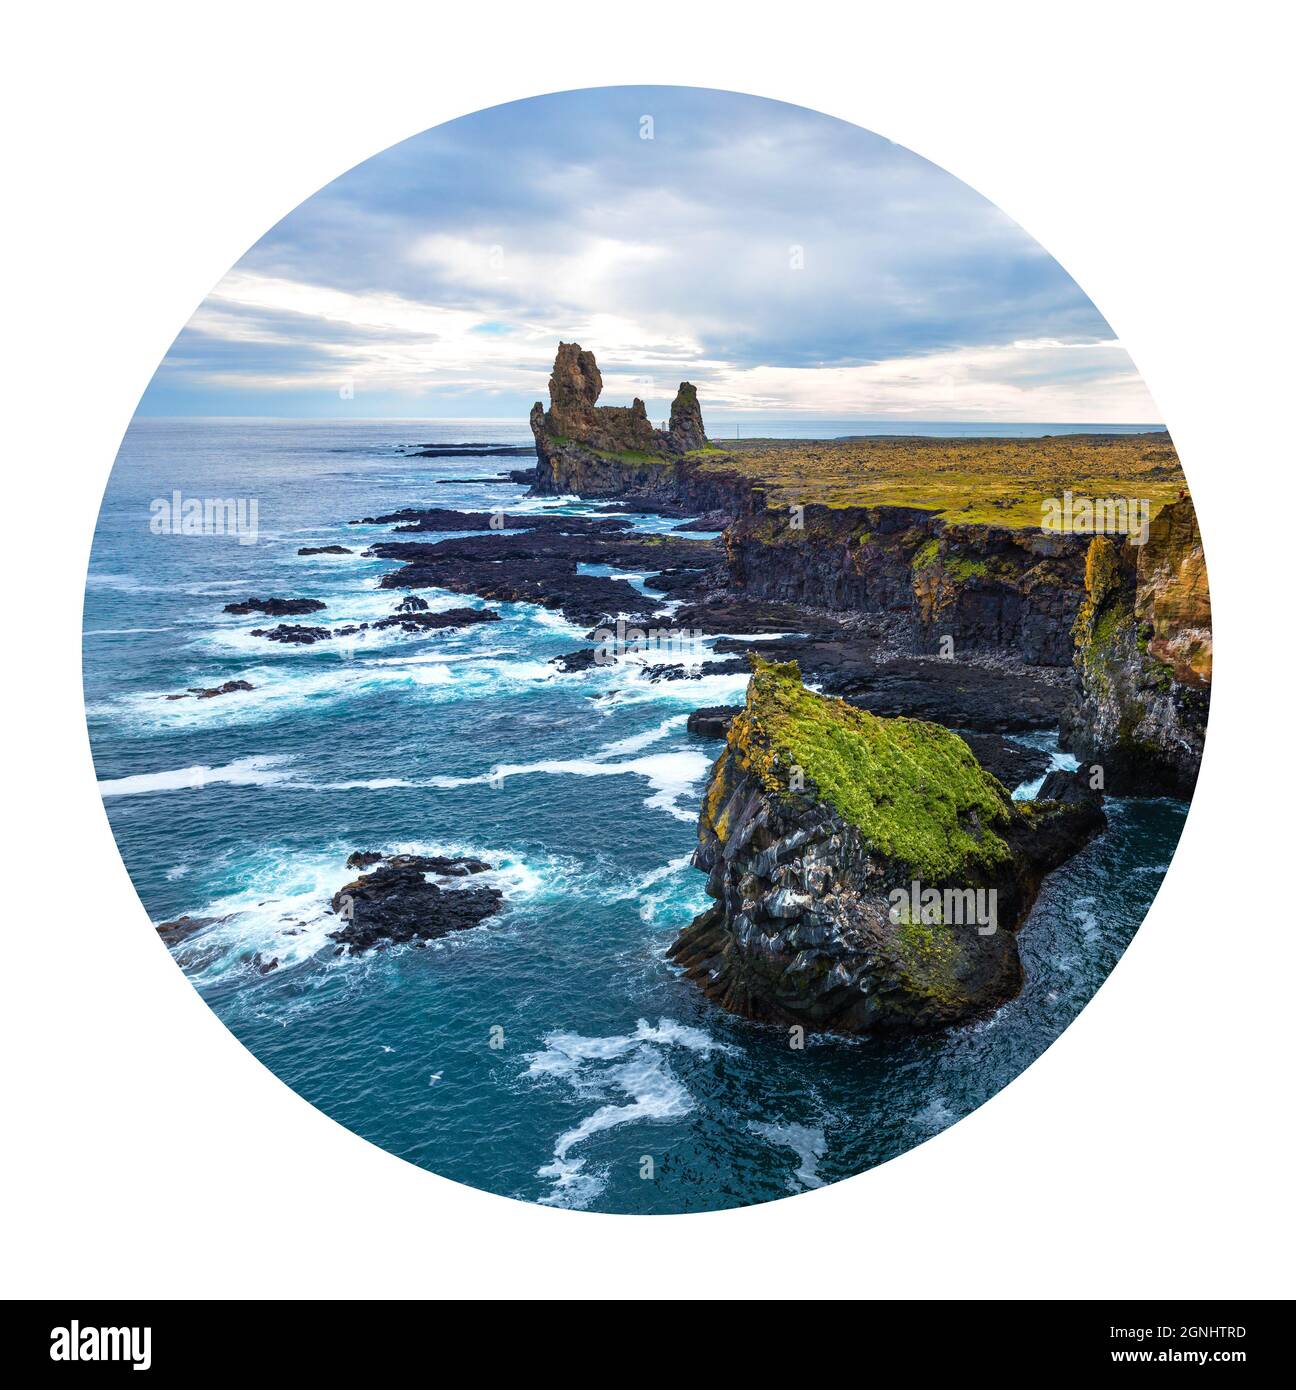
922	628
1111	635
903	657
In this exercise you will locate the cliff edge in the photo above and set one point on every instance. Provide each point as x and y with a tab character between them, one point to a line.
1143	658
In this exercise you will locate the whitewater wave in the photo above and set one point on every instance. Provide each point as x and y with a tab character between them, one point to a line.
262	771
439	676
631	1074
670	775
637	742
1058	762
807	1142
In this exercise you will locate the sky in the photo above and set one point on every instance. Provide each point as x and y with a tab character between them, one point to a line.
785	262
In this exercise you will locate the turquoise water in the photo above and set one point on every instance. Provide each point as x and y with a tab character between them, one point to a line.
245	807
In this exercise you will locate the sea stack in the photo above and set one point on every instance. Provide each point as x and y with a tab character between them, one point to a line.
868	873
603	450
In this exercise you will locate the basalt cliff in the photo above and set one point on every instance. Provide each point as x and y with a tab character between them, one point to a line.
1143	657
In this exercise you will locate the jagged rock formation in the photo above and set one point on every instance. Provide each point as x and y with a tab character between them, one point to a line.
818	822
1143	658
599	450
686	432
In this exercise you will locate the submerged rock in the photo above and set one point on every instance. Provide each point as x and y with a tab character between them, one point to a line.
868	873
395	903
172	933
208	692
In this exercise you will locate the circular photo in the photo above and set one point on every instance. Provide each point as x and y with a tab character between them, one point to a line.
646	650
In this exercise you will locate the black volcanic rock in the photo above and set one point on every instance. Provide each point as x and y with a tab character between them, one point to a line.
541	565
444	519
208	692
325	550
450	451
712	721
275	607
455	866
581	660
958	694
294	633
1012	763
395	903
1069	788
433	622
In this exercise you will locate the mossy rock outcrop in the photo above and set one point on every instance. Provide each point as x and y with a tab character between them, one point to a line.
868	874
1143	647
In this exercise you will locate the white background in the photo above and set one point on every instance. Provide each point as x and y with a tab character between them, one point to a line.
1148	1152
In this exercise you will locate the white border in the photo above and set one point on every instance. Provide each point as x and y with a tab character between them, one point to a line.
147	1153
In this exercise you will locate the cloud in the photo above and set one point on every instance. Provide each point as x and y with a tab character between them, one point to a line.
782	259
1045	382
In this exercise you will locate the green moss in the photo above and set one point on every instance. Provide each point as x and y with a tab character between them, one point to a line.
914	790
1106	628
958	567
963	569
926	953
635	457
926	555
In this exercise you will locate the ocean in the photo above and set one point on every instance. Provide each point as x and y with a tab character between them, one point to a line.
551	1054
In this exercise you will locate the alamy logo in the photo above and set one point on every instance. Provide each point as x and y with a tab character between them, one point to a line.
77	1343
205	516
673	644
949	907
1098	516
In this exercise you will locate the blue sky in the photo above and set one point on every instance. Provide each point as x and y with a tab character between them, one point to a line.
784	261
